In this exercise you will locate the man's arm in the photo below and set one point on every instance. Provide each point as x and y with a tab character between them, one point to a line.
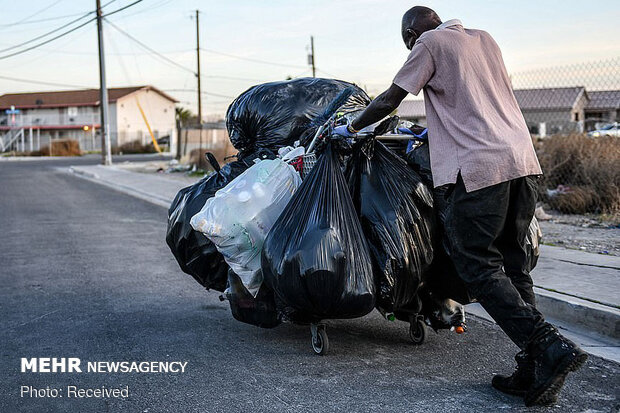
382	106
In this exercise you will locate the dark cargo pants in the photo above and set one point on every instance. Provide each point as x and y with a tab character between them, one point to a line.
486	232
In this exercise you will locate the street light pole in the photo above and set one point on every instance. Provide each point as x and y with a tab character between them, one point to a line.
198	77
106	155
312	56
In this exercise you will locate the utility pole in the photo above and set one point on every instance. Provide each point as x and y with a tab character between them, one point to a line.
198	77
106	155
312	56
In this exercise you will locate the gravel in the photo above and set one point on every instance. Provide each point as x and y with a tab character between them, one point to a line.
580	232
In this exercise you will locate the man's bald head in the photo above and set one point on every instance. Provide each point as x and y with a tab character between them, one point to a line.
416	21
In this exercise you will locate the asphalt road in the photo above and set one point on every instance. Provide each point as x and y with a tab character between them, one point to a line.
85	272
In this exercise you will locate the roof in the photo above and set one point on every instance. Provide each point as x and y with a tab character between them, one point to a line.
85	97
411	109
604	99
549	98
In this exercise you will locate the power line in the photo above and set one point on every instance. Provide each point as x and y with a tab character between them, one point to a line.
327	73
42	20
204	93
232	78
39	82
121	9
47	41
32	15
156	53
60	35
250	59
48	33
47	19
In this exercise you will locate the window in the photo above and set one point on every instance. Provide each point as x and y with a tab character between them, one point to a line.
72	111
576	117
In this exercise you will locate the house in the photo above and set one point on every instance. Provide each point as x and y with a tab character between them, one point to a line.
603	108
549	111
546	110
413	111
29	121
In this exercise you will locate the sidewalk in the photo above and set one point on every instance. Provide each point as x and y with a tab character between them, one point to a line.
578	291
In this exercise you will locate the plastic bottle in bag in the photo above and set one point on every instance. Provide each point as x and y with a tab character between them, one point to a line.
239	216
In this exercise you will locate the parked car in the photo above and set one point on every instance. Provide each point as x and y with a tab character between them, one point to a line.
613	129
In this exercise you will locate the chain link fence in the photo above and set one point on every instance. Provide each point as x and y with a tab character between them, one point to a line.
573	114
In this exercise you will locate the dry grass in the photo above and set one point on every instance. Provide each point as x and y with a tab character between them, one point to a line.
589	167
133	147
59	148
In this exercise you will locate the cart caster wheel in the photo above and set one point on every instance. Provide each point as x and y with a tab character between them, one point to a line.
417	331
320	342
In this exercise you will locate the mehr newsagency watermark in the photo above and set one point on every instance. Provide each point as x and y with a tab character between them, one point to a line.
76	366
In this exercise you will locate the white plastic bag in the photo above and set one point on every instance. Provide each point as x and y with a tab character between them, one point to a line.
238	218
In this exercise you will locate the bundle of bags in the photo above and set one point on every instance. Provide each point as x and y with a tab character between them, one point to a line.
327	247
359	232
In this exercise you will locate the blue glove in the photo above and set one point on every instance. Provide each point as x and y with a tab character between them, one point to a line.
407	131
343	131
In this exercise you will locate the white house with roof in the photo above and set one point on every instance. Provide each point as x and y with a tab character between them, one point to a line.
31	120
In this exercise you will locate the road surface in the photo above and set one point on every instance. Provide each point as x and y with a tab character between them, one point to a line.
85	273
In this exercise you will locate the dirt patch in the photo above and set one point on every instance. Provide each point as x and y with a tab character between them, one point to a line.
581	232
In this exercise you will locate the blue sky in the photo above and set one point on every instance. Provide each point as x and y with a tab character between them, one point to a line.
355	40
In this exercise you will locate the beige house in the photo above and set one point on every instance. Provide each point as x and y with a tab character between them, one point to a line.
547	111
31	120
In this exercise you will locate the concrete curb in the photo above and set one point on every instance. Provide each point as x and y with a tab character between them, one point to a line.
34	158
153	199
572	311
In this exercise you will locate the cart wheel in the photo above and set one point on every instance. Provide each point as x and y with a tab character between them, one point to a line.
320	342
417	331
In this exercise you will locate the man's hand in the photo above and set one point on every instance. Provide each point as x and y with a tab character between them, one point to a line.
423	134
344	131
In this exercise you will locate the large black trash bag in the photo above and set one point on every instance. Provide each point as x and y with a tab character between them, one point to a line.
259	311
315	257
195	253
277	114
397	217
443	281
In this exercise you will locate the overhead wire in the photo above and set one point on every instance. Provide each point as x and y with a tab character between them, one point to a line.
251	59
60	35
121	9
39	82
202	93
47	19
46	41
48	33
144	46
24	20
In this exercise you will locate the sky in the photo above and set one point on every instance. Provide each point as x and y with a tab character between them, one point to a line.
355	40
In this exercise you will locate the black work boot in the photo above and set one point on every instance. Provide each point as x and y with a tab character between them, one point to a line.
520	381
554	357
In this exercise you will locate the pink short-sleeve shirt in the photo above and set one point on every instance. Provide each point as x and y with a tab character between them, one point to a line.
474	122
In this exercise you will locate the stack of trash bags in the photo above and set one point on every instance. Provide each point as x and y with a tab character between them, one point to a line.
358	232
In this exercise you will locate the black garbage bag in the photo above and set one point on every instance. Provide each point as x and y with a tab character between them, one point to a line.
315	257
397	217
195	253
259	311
443	281
277	114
